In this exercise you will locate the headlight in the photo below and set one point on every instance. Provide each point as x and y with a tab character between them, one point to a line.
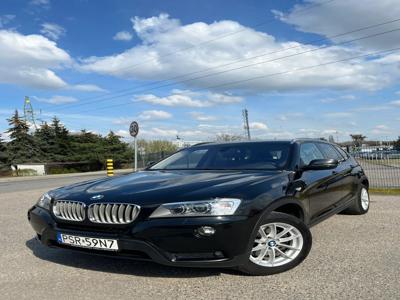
215	207
44	201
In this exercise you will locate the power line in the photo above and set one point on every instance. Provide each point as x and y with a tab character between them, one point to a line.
245	66
222	36
275	74
124	92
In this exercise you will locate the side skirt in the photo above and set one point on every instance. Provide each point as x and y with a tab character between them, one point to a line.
335	210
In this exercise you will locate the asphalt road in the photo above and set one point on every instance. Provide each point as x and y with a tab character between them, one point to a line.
353	257
13	184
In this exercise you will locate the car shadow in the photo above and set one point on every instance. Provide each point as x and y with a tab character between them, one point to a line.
115	265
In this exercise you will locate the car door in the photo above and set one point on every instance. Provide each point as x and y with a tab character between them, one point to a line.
340	185
314	182
352	170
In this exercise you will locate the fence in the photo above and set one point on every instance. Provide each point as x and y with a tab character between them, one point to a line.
145	159
382	166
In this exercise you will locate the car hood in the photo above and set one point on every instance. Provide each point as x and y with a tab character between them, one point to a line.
150	187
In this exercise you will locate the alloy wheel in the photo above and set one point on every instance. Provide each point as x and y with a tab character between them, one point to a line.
276	244
364	199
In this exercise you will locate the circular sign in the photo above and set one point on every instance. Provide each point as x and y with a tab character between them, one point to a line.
134	129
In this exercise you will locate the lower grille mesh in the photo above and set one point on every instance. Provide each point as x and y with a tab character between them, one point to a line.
113	213
69	210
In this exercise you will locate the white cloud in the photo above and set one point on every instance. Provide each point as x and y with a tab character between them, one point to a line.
122	121
381	129
198	116
160	132
372	108
289	116
343	16
161	36
40	2
87	88
57	99
395	103
189	99
123	36
154	115
52	31
5	19
348	97
339	115
27	60
343	97
258	126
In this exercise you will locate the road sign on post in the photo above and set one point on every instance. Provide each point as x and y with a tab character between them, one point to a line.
134	130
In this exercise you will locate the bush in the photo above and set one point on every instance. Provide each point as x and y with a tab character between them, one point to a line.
25	172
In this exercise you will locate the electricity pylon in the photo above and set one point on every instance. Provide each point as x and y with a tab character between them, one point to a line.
29	114
246	123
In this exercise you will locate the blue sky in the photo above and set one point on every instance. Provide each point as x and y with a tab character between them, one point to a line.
188	68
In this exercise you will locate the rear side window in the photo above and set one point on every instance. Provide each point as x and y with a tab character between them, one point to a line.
330	152
342	152
309	152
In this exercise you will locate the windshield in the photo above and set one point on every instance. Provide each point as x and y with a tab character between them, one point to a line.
243	156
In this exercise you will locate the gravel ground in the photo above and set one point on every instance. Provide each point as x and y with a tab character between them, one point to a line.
353	257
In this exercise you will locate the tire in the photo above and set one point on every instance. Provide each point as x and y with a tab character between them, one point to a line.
298	239
361	204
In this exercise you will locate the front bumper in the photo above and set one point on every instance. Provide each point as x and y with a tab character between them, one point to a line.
168	241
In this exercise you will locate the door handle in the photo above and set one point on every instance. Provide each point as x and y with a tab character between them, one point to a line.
334	173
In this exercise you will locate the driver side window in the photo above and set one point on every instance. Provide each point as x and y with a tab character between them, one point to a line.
309	152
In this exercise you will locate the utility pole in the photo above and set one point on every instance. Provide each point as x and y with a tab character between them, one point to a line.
245	114
29	114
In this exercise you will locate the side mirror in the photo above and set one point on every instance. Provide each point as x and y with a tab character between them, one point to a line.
321	164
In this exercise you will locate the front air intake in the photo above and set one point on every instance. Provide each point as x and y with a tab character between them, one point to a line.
113	213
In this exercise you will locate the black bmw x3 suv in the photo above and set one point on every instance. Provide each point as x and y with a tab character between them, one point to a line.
243	205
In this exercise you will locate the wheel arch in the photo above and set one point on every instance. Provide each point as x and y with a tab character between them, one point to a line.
365	182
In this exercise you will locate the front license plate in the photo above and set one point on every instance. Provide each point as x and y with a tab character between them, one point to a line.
87	242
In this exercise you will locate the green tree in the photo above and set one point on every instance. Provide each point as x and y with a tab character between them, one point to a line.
22	147
45	140
62	143
86	146
116	149
224	137
3	155
156	146
358	139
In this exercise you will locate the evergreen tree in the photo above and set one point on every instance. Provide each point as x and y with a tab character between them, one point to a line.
3	155
45	140
61	147
116	149
22	147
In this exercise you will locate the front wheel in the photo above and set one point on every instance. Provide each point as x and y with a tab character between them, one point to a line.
282	242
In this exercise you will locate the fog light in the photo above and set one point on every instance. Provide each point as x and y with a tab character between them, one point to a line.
206	230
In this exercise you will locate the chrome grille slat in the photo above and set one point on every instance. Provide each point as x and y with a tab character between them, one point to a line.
69	210
113	213
121	213
101	213
73	205
108	213
128	211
